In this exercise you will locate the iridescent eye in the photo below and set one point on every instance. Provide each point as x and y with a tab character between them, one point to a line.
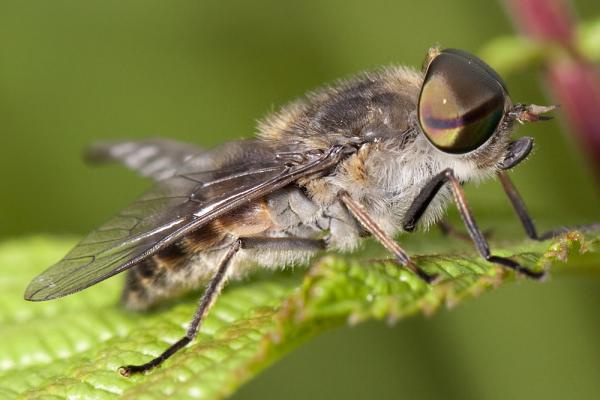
461	103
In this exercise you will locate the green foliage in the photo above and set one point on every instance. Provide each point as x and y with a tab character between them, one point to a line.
511	53
73	346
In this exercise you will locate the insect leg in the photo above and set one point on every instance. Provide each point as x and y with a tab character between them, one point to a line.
212	291
519	206
448	229
423	200
359	212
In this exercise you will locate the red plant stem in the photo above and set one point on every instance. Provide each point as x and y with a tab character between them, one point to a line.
546	20
577	86
573	80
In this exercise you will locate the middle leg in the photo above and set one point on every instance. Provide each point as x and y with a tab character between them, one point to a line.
358	211
420	204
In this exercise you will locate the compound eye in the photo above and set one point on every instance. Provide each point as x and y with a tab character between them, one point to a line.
461	103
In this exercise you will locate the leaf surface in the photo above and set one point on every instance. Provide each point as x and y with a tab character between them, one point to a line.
73	346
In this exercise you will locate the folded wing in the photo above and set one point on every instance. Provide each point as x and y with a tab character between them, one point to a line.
155	158
174	207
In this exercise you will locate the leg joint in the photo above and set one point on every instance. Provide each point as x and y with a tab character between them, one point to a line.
449	174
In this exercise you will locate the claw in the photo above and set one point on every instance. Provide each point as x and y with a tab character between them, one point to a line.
430	279
508	263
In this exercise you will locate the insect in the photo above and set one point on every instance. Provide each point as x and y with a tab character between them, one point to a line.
373	155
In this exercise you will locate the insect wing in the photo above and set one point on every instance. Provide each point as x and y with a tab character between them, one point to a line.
155	158
174	207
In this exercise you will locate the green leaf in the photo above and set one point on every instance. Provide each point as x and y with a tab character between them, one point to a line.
72	347
507	54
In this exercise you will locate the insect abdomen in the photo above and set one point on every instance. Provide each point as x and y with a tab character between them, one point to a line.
190	261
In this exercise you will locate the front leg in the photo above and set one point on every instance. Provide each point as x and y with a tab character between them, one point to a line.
519	206
358	211
422	201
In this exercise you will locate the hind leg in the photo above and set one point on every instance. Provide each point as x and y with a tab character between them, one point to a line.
215	285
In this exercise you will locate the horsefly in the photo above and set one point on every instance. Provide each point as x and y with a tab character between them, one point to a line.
373	155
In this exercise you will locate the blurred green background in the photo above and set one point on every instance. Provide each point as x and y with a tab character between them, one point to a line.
73	72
